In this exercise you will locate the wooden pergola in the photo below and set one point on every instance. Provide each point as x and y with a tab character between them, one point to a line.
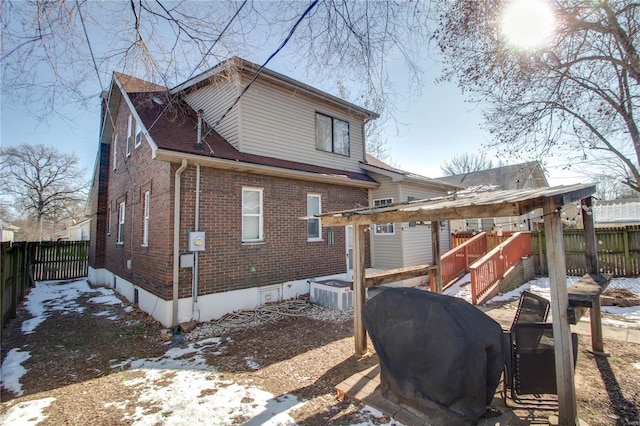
484	205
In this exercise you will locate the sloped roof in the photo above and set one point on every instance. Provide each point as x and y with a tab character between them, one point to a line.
133	84
242	65
173	127
500	203
617	212
377	166
512	176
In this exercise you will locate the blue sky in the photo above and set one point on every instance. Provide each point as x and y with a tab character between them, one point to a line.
429	129
432	129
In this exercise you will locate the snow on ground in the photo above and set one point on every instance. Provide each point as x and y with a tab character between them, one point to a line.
179	388
26	413
12	370
630	317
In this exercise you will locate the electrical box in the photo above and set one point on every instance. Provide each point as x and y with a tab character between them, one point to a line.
196	241
186	260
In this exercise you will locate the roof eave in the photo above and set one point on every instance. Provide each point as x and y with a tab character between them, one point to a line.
219	163
242	65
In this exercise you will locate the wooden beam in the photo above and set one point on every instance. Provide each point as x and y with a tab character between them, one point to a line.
435	252
567	406
591	255
359	292
399	274
429	214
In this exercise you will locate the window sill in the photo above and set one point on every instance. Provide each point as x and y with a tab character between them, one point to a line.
384	235
144	245
120	243
313	240
253	243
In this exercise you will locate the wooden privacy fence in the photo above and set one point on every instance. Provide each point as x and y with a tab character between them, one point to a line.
23	263
618	251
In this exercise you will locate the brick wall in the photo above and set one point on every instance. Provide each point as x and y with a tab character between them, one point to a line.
99	210
151	266
227	264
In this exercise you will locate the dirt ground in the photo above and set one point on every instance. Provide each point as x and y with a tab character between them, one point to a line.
72	354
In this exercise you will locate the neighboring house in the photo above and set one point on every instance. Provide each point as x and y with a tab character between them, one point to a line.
616	213
8	231
80	231
396	245
204	174
516	176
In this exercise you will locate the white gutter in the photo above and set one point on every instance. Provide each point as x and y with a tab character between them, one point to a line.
176	239
173	156
196	286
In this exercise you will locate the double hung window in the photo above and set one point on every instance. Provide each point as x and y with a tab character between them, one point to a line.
332	134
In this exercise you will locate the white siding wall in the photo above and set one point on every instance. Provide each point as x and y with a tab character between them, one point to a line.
214	100
416	240
281	124
387	249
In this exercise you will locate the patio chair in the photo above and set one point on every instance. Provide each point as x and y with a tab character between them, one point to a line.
530	367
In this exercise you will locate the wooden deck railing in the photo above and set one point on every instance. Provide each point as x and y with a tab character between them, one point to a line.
455	263
487	273
493	238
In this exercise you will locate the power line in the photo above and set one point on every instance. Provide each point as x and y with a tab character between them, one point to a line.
257	73
86	36
202	60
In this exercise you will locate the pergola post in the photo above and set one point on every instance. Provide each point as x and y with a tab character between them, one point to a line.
359	270
591	254
435	251
567	406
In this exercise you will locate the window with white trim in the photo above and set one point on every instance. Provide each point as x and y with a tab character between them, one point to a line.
129	132
145	223
314	227
138	134
121	212
252	219
115	151
383	228
332	134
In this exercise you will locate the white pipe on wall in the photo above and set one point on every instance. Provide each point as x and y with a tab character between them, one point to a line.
176	239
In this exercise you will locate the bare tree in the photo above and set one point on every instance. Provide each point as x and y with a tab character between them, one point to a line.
45	184
55	51
466	163
579	95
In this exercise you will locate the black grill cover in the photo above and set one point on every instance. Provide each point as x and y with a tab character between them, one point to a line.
438	354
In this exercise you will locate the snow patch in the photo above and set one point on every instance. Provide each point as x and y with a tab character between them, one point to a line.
26	413
12	370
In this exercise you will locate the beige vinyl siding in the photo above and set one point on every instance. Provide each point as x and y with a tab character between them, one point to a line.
387	249
281	124
416	240
214	100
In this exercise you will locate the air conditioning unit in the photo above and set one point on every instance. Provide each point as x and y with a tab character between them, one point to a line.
334	294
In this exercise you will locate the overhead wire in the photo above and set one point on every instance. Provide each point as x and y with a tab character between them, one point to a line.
259	70
202	60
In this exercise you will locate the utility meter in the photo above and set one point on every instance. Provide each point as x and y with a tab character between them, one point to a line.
196	241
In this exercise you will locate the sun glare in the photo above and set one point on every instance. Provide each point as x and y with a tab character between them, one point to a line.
527	24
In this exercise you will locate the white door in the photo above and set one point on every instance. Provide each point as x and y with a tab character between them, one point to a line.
348	232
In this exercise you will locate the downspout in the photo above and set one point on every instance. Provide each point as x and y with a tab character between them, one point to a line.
194	286
194	308
176	239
